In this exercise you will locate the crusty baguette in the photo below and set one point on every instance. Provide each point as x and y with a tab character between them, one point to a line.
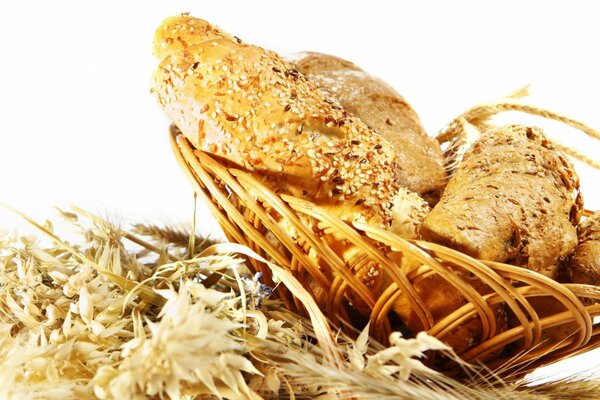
584	264
248	107
514	198
379	105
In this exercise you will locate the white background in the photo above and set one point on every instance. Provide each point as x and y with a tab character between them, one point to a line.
79	126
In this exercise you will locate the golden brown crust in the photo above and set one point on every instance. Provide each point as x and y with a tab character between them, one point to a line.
380	106
442	299
247	106
514	198
182	31
584	264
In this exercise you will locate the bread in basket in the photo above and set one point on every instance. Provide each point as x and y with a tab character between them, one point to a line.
291	174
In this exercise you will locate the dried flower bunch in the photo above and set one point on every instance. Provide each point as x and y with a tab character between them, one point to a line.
131	315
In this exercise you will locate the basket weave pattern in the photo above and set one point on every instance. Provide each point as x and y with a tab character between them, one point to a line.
251	214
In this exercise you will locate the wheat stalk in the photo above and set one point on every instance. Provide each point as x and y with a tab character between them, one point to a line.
118	327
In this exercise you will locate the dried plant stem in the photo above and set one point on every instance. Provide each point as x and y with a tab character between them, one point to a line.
192	241
454	137
60	309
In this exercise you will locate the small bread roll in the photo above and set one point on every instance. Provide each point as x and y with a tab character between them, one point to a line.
514	198
376	103
584	264
247	107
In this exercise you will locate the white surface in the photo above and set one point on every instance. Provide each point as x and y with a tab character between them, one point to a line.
79	126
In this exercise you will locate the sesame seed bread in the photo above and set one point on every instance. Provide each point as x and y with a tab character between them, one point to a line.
249	108
377	104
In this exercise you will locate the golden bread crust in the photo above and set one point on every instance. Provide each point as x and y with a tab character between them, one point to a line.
443	299
248	107
376	103
514	198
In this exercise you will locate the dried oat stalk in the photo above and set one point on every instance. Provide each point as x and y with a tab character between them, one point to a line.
123	316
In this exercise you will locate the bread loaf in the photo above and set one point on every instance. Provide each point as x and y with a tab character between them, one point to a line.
376	103
514	198
247	107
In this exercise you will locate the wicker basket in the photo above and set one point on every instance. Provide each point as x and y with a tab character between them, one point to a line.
251	214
